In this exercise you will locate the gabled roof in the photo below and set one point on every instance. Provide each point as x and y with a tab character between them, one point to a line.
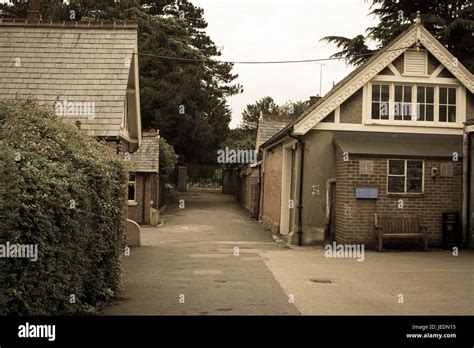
147	158
369	69
268	126
73	62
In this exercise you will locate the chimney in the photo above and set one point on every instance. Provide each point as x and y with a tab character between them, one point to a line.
313	99
33	12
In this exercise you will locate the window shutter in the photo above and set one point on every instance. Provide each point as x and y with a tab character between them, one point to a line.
415	62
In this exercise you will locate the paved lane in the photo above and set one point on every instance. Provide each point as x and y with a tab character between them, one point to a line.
207	259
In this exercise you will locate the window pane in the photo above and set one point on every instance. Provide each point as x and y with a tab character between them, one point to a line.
375	111
451	114
430	95
398	110
131	192
375	92
442	95
384	95
442	113
396	184
421	112
414	176
429	113
398	93
420	94
384	110
407	94
407	111
396	167
452	96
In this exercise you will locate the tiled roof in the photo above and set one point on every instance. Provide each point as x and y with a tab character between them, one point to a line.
269	125
86	62
147	157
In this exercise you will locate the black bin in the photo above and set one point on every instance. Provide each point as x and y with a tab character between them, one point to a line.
452	229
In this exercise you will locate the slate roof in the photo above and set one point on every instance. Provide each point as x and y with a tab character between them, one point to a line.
72	61
398	144
268	126
147	158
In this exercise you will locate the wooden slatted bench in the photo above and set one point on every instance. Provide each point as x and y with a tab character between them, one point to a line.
390	226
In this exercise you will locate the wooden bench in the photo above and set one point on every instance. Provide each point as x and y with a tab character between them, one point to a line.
397	226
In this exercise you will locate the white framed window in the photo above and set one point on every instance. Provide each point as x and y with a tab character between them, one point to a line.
403	103
380	101
414	104
132	187
405	176
425	103
447	104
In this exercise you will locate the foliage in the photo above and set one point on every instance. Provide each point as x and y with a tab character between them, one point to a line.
267	106
264	106
450	21
65	192
168	157
185	100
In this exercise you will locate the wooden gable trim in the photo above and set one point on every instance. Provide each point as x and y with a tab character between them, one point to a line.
393	51
394	70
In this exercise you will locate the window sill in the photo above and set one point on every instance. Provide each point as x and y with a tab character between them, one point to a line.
132	203
406	195
430	124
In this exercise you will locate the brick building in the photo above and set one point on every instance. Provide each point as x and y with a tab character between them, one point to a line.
86	71
144	184
395	127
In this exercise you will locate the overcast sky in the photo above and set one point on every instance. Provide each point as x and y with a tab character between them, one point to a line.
262	30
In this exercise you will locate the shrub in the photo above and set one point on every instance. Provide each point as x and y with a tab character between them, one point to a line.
67	195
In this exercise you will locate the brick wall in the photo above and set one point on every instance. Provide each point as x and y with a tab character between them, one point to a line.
355	218
249	191
120	146
272	189
135	212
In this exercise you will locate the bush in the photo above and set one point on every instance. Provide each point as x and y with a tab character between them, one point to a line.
67	194
168	158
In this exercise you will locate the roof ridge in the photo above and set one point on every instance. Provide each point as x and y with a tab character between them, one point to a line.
109	24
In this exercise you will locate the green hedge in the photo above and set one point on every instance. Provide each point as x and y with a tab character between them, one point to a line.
80	250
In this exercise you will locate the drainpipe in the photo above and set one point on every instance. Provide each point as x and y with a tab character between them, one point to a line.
143	199
301	145
465	184
259	189
329	198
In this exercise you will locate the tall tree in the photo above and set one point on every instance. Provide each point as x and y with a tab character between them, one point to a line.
252	112
450	21
183	97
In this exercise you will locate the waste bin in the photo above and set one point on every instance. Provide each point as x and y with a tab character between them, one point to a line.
452	230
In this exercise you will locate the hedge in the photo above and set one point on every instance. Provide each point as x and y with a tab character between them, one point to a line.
65	192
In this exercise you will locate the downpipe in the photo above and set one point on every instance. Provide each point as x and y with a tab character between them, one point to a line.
301	145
